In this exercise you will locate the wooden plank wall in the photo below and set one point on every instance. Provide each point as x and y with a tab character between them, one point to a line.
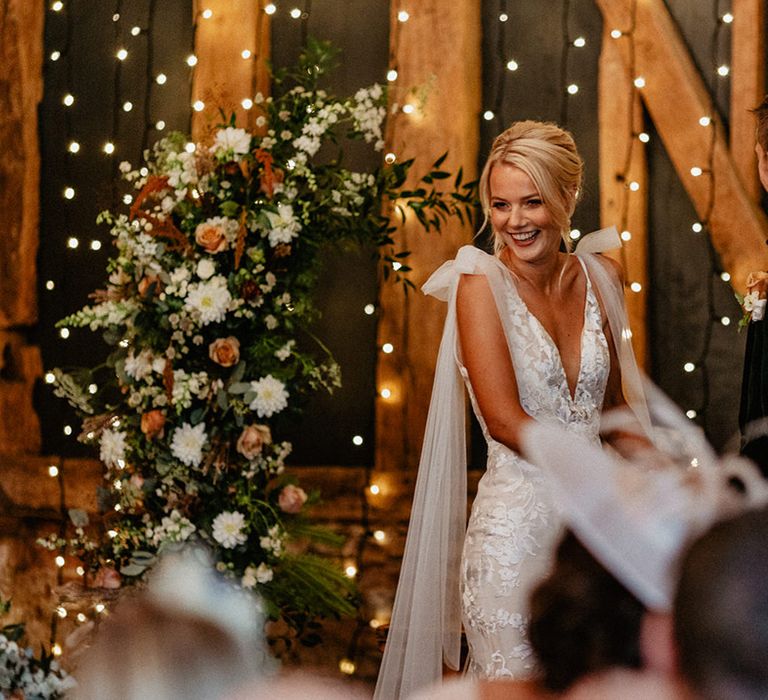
21	89
436	52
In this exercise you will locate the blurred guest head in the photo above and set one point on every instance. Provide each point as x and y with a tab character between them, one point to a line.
583	620
721	610
190	636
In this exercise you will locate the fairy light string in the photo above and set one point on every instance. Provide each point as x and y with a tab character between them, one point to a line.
711	121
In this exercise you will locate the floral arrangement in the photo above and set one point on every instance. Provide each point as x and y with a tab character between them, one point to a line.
22	674
754	301
206	311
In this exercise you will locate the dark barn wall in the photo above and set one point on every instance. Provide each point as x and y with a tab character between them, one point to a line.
360	29
682	265
87	34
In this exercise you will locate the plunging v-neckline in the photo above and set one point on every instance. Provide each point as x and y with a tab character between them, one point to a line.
548	338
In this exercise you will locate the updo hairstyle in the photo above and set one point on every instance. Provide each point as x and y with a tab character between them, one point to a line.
548	155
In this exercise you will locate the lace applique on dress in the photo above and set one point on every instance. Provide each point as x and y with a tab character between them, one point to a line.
513	528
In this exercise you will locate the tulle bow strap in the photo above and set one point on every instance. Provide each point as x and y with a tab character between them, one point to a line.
600	241
444	279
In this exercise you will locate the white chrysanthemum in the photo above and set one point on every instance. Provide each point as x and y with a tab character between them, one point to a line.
271	396
112	447
210	299
187	444
228	529
236	141
284	226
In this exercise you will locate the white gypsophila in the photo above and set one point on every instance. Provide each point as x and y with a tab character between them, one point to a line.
271	396
228	529
272	541
112	447
139	366
263	573
284	226
188	442
210	299
173	528
368	116
231	142
181	169
206	268
186	386
284	352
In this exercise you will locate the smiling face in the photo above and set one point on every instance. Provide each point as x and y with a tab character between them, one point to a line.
519	215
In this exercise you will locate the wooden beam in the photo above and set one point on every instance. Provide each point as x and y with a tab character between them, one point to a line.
21	89
747	87
222	77
676	98
620	118
437	53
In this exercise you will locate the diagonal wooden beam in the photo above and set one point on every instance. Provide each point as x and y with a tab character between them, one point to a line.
676	98
747	87
622	160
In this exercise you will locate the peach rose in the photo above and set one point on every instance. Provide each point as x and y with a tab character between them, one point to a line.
153	423
252	439
225	351
107	577
211	237
291	499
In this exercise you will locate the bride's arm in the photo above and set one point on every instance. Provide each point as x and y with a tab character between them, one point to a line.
485	354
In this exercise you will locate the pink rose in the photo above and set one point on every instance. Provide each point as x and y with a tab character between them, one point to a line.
153	423
252	439
291	499
107	577
211	237
225	351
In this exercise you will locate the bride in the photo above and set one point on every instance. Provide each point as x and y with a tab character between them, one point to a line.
535	334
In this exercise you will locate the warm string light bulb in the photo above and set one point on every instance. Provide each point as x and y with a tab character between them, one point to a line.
512	65
270	9
391	75
403	16
295	13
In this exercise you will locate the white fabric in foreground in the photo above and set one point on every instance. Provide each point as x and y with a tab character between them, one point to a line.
636	515
425	627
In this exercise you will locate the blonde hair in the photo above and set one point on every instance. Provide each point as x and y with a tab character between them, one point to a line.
548	155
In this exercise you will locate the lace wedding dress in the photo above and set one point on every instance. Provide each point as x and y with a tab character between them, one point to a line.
513	528
480	581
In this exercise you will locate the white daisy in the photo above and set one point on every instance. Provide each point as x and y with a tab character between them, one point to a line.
271	396
228	529
187	444
210	299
